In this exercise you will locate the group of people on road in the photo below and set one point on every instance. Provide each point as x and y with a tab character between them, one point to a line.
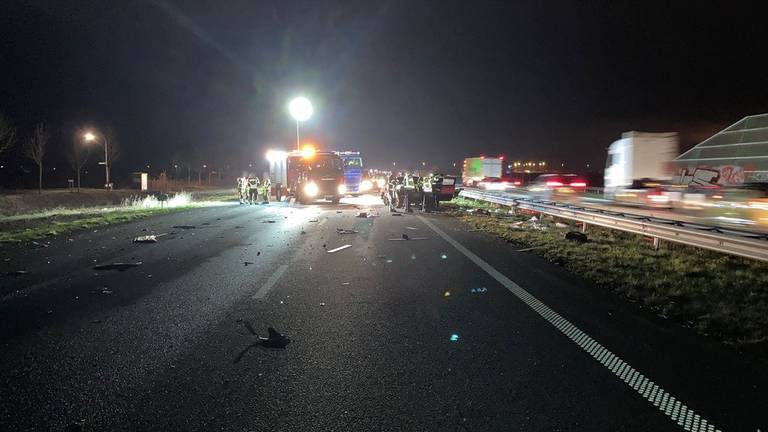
403	190
252	190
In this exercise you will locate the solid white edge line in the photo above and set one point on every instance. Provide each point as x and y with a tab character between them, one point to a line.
666	403
270	282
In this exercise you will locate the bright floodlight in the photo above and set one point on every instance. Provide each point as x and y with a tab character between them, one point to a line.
89	136
300	108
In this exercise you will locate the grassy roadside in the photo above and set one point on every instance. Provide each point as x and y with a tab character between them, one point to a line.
40	224
37	228
719	295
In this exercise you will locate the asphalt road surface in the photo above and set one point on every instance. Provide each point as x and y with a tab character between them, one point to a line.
450	330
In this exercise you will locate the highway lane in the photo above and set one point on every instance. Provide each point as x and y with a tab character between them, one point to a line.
163	346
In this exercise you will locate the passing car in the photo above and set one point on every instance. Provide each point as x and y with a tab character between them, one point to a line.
559	186
498	184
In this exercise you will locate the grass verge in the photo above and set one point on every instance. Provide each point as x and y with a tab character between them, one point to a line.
40	227
719	295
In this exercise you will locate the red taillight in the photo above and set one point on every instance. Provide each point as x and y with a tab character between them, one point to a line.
579	184
517	183
554	183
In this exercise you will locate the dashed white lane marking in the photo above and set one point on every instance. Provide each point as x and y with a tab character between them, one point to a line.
270	282
666	403
339	248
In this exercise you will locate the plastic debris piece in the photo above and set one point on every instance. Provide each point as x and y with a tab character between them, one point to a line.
411	228
322	303
346	231
576	236
106	291
340	248
247	263
389	261
560	225
16	273
119	266
145	239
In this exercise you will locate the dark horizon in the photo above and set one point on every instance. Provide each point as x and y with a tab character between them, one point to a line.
397	80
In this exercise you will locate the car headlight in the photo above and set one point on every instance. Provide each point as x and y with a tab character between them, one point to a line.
342	189
310	189
366	185
380	182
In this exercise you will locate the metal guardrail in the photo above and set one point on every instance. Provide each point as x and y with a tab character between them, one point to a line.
735	242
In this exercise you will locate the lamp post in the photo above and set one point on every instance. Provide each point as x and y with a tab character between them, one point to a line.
301	110
91	137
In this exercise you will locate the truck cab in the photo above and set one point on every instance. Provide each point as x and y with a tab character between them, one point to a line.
315	176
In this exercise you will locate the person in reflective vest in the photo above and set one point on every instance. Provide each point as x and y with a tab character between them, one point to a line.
253	189
266	186
241	189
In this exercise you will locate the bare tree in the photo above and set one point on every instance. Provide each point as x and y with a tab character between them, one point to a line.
7	134
77	156
35	150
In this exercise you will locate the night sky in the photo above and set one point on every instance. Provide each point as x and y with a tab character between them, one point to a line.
403	80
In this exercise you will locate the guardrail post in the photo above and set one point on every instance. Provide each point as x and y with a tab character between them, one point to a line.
656	243
583	227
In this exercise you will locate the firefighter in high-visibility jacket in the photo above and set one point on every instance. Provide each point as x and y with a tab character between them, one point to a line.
409	191
265	188
241	189
253	189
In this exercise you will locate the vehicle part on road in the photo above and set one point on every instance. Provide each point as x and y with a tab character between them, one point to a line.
119	266
479	290
345	231
339	248
405	236
145	239
362	215
16	273
247	263
273	340
411	228
576	236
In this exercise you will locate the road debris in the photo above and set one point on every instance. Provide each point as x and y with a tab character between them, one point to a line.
411	228
576	236
15	273
186	227
274	340
529	249
268	221
560	225
479	211
443	256
346	231
405	236
322	303
312	220
40	245
106	291
117	266
479	290
145	239
338	211
258	253
345	284
247	263
397	214
447	294
303	232
340	248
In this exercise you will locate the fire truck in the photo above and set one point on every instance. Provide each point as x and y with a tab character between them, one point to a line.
307	175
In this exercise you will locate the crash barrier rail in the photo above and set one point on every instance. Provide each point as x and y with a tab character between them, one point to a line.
735	242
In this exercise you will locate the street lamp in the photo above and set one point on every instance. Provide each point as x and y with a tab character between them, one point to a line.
301	110
91	137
